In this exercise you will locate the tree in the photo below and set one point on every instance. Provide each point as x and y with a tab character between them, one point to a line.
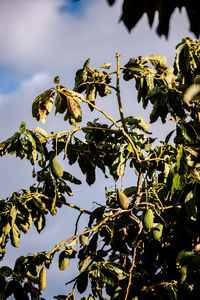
142	242
133	11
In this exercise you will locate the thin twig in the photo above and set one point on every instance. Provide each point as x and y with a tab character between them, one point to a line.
76	225
78	208
139	184
67	142
57	144
130	273
139	222
152	286
86	231
97	82
137	195
118	93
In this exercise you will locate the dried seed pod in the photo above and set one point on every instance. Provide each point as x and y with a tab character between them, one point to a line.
157	232
42	279
148	219
56	168
123	200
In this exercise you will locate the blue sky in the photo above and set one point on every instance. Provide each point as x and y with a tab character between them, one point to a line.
44	38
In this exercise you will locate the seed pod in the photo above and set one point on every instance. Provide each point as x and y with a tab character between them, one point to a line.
42	279
157	232
123	200
182	274
56	168
148	219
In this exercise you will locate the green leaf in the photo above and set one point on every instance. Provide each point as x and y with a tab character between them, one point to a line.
133	66
158	61
130	191
13	214
106	66
60	103
65	187
15	236
192	94
70	178
10	140
22	127
156	110
91	94
188	132
108	277
182	274
90	175
118	166
31	137
121	166
178	182
179	156
84	264
169	136
40	131
182	61
83	239
191	205
185	256
40	222
153	93
142	123
82	282
117	269
5	271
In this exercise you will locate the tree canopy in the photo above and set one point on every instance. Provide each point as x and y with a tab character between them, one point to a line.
133	11
142	241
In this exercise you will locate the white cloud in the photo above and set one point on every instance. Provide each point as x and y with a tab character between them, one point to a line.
36	36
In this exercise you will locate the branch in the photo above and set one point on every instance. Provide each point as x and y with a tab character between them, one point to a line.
139	222
72	131
85	211
77	221
118	93
87	231
130	273
152	286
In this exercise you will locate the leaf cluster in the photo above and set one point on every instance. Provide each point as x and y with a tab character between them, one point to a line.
143	241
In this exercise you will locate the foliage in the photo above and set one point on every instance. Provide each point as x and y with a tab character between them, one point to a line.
133	11
146	248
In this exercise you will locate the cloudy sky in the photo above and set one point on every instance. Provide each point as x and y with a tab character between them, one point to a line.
44	38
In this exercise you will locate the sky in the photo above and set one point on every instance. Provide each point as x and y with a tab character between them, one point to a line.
44	38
